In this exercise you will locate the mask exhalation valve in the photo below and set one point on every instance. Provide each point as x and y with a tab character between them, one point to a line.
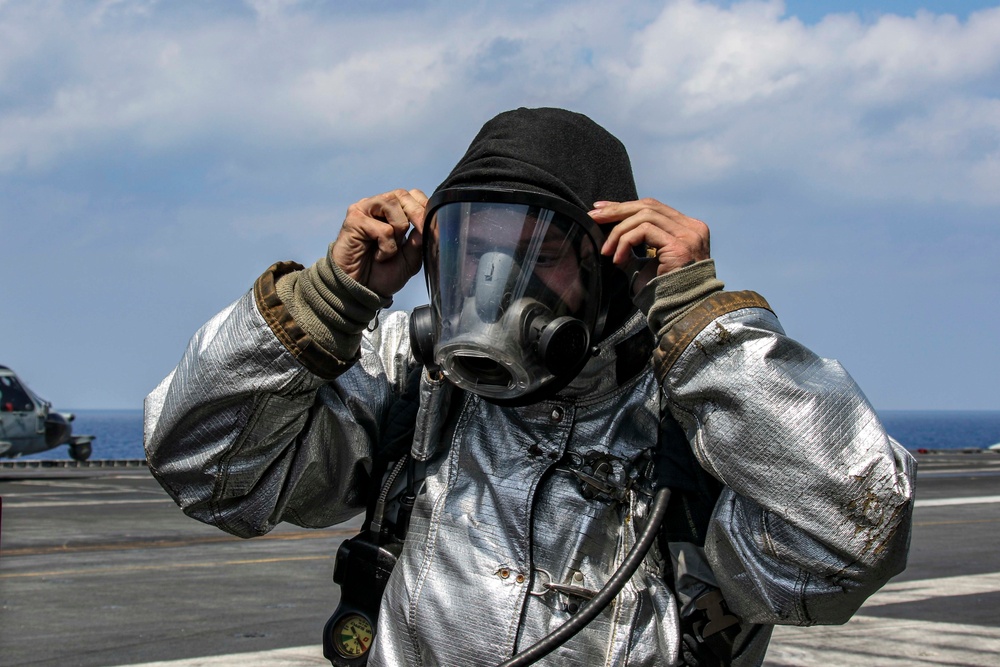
563	343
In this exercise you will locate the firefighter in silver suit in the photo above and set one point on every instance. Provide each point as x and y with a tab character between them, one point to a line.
571	326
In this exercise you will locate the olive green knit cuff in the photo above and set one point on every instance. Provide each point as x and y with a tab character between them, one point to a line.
665	299
333	308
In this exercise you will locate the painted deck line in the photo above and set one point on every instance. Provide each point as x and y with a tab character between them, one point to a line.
865	641
896	592
972	500
81	503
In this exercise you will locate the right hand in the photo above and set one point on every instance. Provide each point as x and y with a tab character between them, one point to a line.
373	246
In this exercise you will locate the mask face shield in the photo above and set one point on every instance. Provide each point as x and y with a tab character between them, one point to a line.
515	286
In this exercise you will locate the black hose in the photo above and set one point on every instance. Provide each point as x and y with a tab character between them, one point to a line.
604	597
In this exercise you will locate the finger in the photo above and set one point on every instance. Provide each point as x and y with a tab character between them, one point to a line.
380	234
366	219
644	217
419	196
635	236
412	253
644	209
671	252
413	207
387	208
609	211
414	203
386	220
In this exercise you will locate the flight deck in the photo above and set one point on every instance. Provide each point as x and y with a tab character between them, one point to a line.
99	567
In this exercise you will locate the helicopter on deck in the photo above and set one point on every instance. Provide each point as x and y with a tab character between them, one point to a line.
28	425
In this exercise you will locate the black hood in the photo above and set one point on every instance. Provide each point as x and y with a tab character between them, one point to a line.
555	152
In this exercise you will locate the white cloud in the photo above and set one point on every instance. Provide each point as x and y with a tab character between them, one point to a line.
901	107
894	108
697	58
186	145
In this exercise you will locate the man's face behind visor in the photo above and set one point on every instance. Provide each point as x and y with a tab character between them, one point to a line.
516	294
543	247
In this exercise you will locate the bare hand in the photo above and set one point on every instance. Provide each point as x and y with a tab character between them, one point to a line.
677	239
373	246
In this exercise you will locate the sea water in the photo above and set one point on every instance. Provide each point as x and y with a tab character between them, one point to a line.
119	432
117	435
943	429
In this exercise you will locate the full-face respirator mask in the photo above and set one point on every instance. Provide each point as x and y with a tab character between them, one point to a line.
515	282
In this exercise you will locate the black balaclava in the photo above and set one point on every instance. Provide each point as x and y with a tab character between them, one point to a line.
555	152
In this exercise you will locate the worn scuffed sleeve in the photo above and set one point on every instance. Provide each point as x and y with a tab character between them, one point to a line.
247	431
817	508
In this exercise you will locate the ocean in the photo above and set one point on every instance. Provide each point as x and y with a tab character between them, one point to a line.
119	432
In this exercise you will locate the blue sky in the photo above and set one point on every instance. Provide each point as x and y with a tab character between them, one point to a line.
156	157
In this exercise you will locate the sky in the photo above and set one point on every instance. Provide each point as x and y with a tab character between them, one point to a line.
156	157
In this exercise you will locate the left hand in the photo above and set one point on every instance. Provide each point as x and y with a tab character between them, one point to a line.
677	239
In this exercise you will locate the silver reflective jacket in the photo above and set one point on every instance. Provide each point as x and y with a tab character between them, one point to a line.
815	514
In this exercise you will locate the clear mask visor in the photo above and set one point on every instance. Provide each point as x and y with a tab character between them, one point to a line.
516	294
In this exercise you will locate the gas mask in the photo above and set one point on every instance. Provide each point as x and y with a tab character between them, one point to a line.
515	281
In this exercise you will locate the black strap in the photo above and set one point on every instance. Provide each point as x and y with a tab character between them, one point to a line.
396	438
633	355
694	492
708	628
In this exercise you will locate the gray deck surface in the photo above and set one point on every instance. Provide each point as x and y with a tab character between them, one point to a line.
99	567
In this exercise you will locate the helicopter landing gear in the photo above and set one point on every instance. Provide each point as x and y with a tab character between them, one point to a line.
80	451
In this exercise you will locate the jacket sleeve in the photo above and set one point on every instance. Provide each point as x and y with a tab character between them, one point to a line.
256	426
817	508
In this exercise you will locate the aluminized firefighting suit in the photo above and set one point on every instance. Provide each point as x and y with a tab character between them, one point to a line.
814	517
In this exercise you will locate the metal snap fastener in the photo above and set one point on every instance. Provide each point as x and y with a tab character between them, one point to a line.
557	414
